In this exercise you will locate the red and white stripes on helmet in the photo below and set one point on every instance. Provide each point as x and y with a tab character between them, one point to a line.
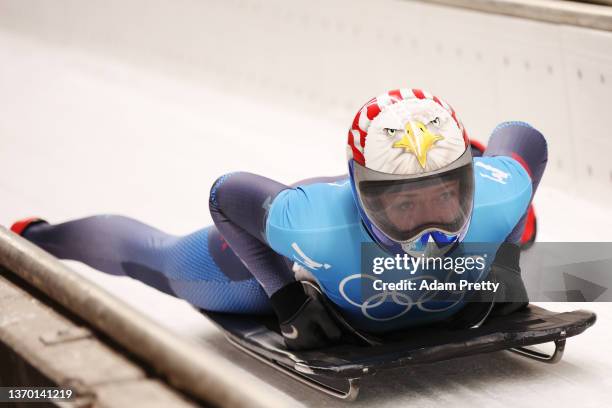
359	130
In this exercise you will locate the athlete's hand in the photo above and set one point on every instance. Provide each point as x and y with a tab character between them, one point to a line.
304	321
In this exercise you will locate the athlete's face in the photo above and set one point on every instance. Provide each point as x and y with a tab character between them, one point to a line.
439	203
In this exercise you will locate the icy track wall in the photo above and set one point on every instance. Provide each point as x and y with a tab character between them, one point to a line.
327	57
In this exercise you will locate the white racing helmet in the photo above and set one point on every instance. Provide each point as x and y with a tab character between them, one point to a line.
411	172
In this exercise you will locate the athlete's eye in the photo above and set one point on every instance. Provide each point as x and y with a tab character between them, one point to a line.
446	196
436	122
405	206
390	132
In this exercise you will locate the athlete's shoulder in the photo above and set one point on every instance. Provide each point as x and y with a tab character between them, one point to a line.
314	206
500	179
317	225
502	194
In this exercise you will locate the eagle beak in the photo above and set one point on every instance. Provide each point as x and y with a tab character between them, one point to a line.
418	140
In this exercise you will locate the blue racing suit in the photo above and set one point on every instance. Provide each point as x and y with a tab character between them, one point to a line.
318	226
263	229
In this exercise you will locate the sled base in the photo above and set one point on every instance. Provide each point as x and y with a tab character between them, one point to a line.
336	370
345	389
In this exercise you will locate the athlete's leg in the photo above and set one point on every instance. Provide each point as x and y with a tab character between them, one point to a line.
189	267
527	146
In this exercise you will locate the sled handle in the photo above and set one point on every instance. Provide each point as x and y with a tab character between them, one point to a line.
553	358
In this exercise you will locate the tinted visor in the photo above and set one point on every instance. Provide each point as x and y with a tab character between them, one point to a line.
403	209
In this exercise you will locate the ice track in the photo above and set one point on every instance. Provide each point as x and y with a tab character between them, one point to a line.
81	133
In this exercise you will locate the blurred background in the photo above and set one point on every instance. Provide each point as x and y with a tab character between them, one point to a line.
135	107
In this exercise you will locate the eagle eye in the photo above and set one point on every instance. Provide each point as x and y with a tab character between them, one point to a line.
436	121
390	132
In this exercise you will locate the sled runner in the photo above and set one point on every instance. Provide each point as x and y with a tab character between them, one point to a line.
336	370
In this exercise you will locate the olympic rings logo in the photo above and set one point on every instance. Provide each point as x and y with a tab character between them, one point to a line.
399	298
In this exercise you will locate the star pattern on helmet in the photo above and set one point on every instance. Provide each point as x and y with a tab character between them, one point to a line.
418	143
